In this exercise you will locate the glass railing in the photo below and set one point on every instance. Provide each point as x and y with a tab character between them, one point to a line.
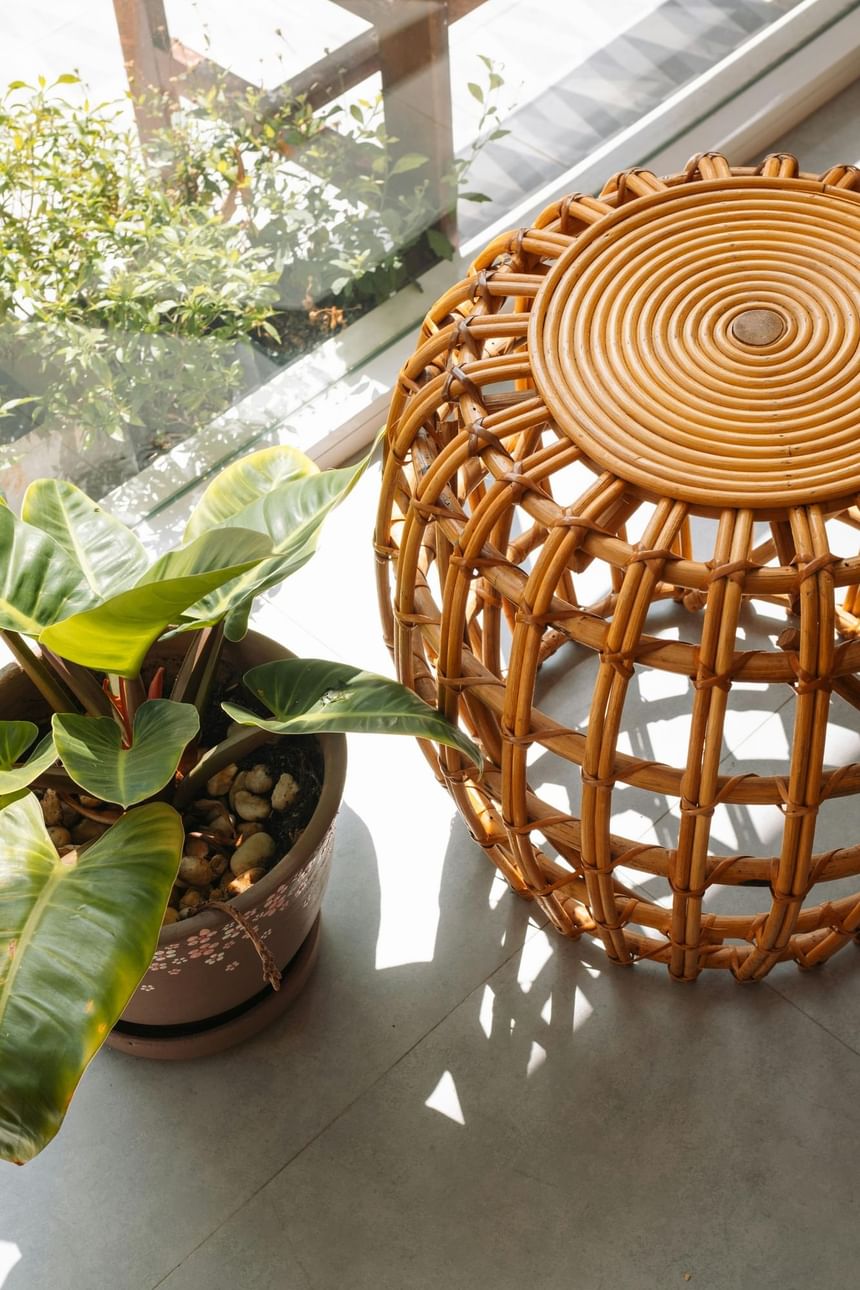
194	198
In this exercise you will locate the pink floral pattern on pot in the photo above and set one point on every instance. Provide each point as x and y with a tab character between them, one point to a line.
219	947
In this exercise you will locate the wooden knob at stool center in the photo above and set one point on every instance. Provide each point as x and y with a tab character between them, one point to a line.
758	327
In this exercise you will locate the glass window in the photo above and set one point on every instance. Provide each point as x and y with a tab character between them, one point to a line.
215	218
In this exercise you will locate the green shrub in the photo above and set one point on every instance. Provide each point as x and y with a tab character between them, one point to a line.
105	278
134	279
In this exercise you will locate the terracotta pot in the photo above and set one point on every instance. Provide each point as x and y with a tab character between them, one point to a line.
204	989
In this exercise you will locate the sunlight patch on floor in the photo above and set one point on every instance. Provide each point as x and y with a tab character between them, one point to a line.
10	1254
388	779
537	1057
413	940
498	891
446	1100
582	1009
536	953
485	1016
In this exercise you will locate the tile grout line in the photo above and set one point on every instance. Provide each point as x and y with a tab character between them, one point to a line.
809	1017
346	1109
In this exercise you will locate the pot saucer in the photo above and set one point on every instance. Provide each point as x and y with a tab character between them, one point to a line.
201	1039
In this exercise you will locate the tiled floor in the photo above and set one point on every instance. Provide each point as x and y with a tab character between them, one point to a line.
460	1100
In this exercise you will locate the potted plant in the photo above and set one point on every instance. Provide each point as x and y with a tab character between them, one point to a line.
153	761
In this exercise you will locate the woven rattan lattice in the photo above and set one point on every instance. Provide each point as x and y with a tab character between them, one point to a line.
658	388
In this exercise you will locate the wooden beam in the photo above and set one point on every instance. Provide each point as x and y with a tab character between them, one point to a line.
198	73
351	63
458	9
332	75
408	44
416	90
145	41
373	10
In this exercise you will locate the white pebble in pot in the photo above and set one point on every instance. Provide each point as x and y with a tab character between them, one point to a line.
52	808
285	792
222	781
195	870
251	807
253	852
258	780
238	783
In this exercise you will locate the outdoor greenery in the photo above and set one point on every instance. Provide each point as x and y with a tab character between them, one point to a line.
78	926
140	282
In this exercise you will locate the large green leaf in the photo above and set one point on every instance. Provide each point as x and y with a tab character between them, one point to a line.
274	572
311	695
15	738
244	483
39	582
293	513
116	635
108	554
92	752
216	551
76	936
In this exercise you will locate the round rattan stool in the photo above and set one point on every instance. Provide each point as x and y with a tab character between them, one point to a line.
646	405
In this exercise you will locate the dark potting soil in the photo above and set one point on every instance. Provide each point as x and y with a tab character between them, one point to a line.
301	757
297	755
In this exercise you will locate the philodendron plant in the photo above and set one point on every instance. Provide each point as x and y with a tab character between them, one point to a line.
78	927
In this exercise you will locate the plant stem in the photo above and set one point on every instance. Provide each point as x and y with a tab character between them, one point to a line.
197	673
133	695
41	673
80	681
209	667
115	687
182	684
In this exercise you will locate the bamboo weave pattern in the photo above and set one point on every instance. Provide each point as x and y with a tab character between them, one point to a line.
690	346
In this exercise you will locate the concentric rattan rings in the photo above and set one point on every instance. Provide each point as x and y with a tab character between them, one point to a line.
633	349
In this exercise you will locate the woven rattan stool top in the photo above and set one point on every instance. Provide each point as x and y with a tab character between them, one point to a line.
640	341
648	403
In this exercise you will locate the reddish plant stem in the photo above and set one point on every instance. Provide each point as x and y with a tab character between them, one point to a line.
119	711
133	695
100	817
44	679
156	685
